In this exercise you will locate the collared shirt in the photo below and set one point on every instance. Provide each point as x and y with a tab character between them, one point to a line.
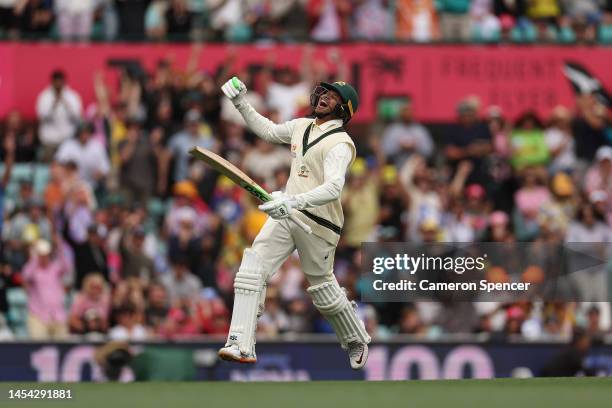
45	288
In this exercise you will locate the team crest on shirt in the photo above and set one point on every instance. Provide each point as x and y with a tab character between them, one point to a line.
303	171
293	150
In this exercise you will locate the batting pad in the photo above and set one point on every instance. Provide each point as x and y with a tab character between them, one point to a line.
332	302
248	285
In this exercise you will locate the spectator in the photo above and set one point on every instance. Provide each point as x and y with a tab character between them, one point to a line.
210	249
136	263
585	17
416	20
43	277
469	140
499	228
89	155
274	320
59	110
485	25
393	199
528	200
360	202
23	135
8	18
178	19
224	14
28	225
91	307
454	19
78	213
195	133
90	256
560	141
35	17
185	196
131	18
329	19
182	321
372	20
599	175
157	306
75	18
264	160
589	226
545	14
128	327
425	202
9	160
155	21
287	93
180	283
405	137
142	154
410	322
528	144
185	244
589	127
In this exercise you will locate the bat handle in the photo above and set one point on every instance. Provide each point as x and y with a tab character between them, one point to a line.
300	223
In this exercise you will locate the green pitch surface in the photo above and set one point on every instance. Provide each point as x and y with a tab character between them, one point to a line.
501	393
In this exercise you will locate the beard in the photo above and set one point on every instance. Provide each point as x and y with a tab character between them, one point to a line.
320	115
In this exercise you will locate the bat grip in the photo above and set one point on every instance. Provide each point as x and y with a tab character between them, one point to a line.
300	223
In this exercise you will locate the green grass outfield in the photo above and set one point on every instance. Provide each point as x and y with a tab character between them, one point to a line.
499	393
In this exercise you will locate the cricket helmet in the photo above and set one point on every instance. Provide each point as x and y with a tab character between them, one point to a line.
350	99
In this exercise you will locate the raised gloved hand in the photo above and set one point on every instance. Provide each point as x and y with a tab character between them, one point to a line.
280	206
235	90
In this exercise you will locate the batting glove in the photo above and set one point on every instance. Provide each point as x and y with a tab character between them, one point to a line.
235	90
280	206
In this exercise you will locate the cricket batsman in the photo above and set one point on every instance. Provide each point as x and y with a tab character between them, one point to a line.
322	151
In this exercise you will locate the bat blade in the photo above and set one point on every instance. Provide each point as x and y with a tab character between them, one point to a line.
230	171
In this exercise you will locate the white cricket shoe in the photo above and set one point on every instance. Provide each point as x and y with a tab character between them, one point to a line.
358	354
231	352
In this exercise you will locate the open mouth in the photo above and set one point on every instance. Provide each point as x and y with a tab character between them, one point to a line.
323	104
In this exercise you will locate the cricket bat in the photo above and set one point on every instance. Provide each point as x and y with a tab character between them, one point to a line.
240	178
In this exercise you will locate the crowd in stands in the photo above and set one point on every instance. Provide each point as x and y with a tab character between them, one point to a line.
318	20
109	229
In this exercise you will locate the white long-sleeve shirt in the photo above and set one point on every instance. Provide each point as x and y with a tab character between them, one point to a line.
335	164
58	118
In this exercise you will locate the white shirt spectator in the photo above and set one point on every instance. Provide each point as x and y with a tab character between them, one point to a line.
287	98
58	116
555	139
401	139
328	27
262	164
598	232
91	158
226	13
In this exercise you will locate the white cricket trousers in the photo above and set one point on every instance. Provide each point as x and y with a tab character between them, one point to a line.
279	238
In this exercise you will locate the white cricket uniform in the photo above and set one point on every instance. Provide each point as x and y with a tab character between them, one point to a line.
320	158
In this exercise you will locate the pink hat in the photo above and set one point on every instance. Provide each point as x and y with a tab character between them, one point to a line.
498	218
474	191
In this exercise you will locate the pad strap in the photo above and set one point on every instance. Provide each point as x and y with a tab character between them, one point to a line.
332	302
